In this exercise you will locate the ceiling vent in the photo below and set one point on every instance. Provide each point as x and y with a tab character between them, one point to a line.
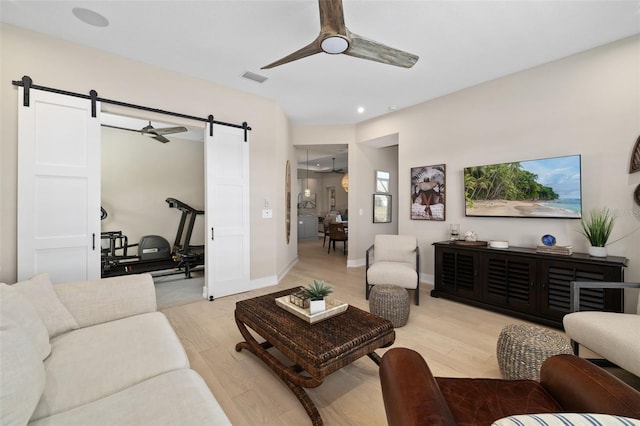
255	77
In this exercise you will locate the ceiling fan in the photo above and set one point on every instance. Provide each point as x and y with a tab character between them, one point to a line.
157	134
333	168
335	38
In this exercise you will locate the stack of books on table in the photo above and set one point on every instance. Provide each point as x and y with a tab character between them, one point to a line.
563	250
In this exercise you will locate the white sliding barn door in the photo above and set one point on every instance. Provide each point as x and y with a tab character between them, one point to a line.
58	187
227	268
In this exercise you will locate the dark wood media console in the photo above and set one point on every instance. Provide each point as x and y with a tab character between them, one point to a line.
520	282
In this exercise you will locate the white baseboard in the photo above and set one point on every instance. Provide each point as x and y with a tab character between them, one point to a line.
264	282
426	278
356	263
286	270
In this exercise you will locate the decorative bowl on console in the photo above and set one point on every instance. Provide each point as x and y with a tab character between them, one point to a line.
548	240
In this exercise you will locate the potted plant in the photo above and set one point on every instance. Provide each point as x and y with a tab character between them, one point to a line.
316	293
597	228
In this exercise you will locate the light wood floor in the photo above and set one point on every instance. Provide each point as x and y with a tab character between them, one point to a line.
455	339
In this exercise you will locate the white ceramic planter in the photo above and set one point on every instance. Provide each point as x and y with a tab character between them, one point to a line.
316	306
597	251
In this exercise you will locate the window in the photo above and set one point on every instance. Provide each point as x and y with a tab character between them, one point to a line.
382	181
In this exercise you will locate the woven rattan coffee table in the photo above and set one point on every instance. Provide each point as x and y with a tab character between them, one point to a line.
318	349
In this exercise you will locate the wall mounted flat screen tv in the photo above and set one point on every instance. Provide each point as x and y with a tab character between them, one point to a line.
545	188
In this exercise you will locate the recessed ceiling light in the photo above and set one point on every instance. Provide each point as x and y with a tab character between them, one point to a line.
360	110
90	17
393	107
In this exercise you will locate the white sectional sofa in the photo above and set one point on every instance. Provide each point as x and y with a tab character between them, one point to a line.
95	353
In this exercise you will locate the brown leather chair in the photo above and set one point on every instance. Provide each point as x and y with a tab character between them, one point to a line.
412	396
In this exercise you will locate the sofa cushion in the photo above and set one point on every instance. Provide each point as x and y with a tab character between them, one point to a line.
21	372
613	336
396	273
97	301
395	248
39	291
90	363
16	307
179	397
565	419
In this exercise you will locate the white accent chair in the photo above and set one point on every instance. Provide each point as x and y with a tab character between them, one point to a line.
613	336
394	259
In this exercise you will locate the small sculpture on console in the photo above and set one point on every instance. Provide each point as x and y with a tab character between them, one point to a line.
470	236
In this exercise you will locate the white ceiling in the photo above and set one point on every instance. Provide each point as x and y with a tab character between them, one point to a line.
460	44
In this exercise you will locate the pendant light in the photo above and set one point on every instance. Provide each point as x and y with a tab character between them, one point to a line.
345	182
307	191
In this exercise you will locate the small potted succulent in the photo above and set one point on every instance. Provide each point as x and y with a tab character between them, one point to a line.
316	293
597	229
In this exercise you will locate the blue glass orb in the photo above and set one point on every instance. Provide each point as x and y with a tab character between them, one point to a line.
548	240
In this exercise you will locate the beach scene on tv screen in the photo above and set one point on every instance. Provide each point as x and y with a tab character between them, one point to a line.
548	187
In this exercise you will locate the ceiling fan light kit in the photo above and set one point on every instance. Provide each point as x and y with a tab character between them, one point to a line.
334	45
335	38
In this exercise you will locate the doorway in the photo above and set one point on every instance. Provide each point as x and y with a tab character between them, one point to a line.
65	136
321	190
138	175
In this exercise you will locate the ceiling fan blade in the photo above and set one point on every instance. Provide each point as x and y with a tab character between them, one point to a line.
161	138
148	131
154	133
310	49
332	17
119	128
362	47
168	130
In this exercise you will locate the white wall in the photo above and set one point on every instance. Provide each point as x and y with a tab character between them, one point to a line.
586	104
54	63
368	159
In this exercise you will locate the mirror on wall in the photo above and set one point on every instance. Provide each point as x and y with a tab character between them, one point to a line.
381	208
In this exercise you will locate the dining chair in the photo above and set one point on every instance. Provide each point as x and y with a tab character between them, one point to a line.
337	232
328	219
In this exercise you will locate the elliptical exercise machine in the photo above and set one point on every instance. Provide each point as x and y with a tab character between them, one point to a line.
154	254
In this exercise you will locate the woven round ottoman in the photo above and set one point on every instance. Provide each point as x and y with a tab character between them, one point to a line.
390	302
522	349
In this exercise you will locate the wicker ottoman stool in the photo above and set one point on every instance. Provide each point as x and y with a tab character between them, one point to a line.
390	302
522	349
